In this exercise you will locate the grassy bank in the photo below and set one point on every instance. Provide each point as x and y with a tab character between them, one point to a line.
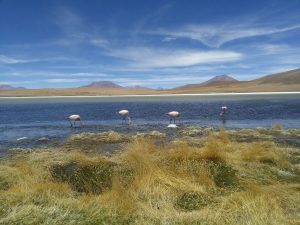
203	177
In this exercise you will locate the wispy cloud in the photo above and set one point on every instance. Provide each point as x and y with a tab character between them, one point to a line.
62	80
163	58
75	30
9	60
216	35
12	60
276	48
56	75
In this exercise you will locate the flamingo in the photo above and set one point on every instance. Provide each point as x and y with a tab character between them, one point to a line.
223	110
74	118
125	115
173	116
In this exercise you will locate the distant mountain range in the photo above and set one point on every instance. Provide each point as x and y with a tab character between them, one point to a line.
285	81
110	84
286	78
5	87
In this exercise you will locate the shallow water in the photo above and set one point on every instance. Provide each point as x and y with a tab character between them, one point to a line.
45	117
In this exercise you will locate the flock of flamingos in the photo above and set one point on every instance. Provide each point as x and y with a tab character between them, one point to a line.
173	115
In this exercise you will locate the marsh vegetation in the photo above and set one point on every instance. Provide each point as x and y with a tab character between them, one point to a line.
203	177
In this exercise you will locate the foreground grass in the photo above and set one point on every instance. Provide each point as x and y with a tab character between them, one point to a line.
213	180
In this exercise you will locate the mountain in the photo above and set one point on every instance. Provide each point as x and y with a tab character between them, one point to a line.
138	87
288	81
285	81
109	84
289	77
102	84
5	87
217	80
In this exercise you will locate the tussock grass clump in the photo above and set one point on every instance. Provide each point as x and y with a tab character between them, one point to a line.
277	127
250	207
224	175
266	152
154	182
224	136
104	137
190	201
90	178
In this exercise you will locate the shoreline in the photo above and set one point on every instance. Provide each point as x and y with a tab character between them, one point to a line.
151	95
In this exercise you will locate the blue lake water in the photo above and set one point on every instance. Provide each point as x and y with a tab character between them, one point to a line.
45	117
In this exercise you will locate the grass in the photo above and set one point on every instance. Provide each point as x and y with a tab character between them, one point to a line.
221	181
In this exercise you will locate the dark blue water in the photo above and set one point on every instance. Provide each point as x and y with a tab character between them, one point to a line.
44	118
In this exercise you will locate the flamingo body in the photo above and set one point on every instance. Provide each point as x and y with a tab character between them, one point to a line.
75	118
173	116
223	110
125	115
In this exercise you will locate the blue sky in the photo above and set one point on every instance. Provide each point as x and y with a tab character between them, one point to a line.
69	43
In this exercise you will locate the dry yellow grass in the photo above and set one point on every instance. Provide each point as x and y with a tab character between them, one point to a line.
223	182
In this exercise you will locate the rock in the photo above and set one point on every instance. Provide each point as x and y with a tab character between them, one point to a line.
283	173
44	139
22	138
151	134
172	126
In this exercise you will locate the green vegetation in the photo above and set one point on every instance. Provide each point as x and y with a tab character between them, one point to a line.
203	177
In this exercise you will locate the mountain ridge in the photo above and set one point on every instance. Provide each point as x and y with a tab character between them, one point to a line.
216	80
5	87
102	84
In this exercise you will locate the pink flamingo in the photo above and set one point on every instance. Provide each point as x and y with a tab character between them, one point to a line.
125	115
74	118
223	110
173	116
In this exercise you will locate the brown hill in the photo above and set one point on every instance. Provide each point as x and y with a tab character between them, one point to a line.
289	77
217	80
285	81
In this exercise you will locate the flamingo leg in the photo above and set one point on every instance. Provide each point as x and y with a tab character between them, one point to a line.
129	119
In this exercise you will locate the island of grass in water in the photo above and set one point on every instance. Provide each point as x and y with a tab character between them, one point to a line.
204	176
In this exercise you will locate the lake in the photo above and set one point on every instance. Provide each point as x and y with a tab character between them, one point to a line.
40	119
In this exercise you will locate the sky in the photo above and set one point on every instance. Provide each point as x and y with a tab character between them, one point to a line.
157	44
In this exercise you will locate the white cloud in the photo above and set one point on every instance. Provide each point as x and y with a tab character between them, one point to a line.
168	39
166	80
163	58
62	80
216	35
270	49
8	60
